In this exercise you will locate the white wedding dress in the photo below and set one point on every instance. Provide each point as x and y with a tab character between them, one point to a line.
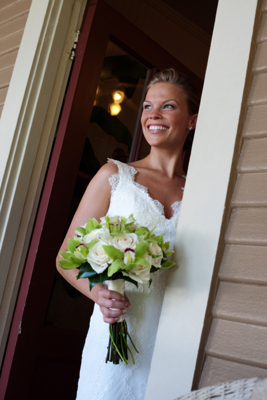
101	381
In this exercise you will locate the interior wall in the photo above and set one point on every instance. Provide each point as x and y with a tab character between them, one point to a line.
177	35
13	17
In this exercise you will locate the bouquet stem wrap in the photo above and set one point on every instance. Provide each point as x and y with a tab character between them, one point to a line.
118	332
118	285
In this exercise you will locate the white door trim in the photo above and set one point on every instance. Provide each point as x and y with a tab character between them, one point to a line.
27	129
202	213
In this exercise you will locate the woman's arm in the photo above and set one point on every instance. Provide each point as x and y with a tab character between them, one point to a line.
95	204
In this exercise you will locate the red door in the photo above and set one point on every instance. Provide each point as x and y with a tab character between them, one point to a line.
50	321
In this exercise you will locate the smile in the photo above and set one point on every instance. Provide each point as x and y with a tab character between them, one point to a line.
157	127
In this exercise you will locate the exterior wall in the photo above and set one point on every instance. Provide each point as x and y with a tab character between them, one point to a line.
237	342
177	35
13	17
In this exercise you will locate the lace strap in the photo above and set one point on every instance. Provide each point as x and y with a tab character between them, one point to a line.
125	174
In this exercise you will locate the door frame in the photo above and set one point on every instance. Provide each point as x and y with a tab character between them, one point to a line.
80	119
27	127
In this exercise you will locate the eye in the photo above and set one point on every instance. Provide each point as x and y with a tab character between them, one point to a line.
168	106
146	107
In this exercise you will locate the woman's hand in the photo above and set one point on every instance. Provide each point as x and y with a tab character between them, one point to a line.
107	299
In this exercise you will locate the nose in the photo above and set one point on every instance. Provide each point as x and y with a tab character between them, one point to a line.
155	114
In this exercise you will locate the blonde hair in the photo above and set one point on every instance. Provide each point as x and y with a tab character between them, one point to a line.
172	76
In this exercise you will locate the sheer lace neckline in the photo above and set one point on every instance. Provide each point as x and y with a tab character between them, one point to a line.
159	206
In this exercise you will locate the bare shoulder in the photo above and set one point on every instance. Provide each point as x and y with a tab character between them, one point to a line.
106	171
103	175
140	165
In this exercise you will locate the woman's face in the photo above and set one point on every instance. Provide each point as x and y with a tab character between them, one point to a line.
165	119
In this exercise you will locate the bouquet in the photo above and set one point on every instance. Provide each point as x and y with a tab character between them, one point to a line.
116	250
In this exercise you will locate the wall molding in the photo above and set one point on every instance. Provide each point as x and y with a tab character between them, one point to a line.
180	20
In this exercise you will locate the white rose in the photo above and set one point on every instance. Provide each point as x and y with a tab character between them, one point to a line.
155	250
98	258
124	241
140	274
148	258
95	234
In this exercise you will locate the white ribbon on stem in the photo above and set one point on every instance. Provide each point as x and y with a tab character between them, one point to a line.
118	285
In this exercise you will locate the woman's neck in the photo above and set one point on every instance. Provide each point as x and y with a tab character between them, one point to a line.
169	164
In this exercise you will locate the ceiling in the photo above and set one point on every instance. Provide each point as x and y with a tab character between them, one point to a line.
201	12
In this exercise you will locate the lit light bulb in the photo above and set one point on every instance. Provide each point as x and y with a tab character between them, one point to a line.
118	96
115	109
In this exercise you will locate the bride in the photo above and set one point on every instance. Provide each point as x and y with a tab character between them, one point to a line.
151	189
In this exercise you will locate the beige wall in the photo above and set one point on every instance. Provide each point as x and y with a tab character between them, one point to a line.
237	343
13	17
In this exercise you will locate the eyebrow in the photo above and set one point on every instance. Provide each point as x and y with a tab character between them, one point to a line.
165	101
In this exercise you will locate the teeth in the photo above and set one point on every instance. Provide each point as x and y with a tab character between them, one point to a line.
156	127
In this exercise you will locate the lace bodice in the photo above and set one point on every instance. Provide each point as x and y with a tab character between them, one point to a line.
101	381
131	197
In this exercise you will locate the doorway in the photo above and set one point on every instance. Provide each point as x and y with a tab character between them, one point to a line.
47	334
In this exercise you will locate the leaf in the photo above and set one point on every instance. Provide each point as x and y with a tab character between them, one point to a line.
84	251
128	279
166	246
115	232
152	239
167	264
65	264
130	266
150	233
112	252
158	239
161	240
72	244
153	269
92	224
107	221
115	266
141	231
66	256
86	271
141	248
98	278
81	230
75	260
123	220
168	253
92	243
127	230
142	261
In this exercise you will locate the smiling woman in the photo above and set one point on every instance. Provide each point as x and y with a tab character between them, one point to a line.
151	189
166	120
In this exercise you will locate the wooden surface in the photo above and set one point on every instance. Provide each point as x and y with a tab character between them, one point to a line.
237	342
13	17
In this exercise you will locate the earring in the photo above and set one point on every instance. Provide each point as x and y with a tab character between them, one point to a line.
190	128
